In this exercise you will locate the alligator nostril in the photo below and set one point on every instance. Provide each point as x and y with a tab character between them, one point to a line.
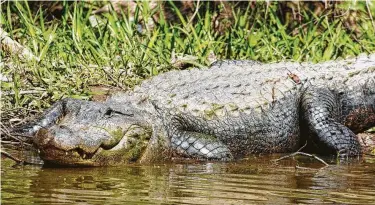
42	137
56	137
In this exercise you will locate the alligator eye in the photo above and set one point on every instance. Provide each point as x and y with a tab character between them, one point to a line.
108	113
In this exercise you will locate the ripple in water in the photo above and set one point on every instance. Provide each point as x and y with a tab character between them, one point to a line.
255	180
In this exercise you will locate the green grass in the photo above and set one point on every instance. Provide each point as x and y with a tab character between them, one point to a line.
74	55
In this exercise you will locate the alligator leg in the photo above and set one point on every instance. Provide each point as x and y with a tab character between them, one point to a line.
319	108
48	118
198	145
192	143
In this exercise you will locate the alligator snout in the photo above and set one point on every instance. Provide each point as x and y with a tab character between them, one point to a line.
62	145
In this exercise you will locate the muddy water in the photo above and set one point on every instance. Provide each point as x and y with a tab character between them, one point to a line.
251	181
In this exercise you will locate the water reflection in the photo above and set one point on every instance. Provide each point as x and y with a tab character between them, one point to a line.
254	180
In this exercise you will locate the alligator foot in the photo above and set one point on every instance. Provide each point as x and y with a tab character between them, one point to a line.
320	108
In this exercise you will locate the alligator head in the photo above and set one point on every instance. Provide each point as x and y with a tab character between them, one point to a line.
81	133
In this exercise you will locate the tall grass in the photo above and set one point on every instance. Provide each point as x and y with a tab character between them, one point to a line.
75	55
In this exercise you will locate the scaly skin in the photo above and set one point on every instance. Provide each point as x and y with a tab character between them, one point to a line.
231	110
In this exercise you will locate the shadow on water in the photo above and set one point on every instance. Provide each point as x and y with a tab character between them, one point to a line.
254	180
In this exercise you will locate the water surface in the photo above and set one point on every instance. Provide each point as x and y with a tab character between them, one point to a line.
257	180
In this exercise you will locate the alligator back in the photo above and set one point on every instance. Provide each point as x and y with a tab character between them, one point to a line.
245	85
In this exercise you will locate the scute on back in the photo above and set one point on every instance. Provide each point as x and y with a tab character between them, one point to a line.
243	85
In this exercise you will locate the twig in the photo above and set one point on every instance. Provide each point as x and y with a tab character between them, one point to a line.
6	154
194	14
15	48
107	73
5	132
369	154
13	136
18	161
306	168
302	147
16	143
303	154
23	92
369	13
298	152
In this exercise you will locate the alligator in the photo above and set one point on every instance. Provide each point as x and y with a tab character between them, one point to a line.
228	111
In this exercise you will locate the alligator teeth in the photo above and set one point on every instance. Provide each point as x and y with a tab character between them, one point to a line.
66	153
84	156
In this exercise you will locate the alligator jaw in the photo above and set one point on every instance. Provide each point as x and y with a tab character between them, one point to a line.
54	156
123	149
73	153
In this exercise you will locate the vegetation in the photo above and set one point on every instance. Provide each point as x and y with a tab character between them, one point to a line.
77	51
